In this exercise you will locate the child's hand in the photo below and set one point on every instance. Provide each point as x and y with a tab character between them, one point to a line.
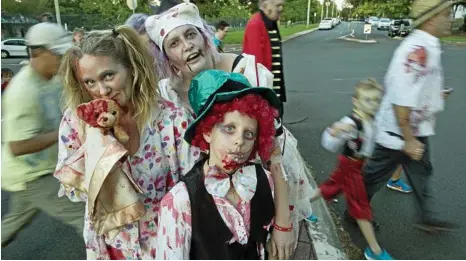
339	127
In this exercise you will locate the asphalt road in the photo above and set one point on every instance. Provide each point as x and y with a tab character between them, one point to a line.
320	73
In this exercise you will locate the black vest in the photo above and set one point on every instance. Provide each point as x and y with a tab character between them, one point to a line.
353	147
210	235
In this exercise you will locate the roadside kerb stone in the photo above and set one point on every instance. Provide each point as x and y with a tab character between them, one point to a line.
238	47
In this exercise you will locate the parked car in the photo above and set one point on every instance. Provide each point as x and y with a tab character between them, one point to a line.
384	24
326	23
14	47
399	28
405	27
373	20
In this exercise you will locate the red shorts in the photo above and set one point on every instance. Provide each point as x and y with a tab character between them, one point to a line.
347	178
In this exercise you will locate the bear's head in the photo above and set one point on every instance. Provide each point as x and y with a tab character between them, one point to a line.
101	113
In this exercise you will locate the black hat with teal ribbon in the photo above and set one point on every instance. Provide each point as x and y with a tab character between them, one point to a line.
213	86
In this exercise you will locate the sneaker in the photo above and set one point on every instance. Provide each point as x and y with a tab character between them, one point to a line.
400	186
372	256
312	219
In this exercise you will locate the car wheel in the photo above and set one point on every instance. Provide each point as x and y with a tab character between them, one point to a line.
5	54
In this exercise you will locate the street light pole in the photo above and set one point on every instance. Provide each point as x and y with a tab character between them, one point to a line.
308	11
322	12
57	12
327	4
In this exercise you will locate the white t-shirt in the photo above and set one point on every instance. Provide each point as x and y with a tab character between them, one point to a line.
414	79
334	144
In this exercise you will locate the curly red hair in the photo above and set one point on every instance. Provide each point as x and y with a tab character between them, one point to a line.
252	105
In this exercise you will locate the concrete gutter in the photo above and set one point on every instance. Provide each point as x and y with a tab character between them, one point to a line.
239	47
323	234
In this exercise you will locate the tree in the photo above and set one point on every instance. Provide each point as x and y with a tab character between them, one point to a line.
26	7
296	10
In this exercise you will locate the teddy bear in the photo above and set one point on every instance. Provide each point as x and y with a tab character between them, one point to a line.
104	114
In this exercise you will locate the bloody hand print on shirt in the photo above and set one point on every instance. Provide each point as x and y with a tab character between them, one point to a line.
416	62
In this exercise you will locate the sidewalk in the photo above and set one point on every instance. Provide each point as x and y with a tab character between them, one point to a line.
319	241
237	47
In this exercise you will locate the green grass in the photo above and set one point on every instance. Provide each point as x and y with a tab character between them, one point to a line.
236	37
455	38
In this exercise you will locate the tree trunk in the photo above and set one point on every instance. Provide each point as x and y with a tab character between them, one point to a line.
464	24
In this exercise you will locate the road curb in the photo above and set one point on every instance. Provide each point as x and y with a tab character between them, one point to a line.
443	42
296	35
323	234
346	38
455	43
236	47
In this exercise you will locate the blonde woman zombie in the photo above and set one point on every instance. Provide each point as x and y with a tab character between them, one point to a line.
122	184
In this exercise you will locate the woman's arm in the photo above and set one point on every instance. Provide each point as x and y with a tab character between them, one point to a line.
70	166
174	225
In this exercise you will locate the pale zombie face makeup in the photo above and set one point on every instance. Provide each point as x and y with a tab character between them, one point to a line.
77	37
273	9
232	141
186	50
104	78
368	101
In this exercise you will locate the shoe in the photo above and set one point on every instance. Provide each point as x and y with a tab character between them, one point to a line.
353	221
312	219
372	256
400	186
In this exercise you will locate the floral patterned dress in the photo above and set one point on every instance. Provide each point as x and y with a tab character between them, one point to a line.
162	157
175	230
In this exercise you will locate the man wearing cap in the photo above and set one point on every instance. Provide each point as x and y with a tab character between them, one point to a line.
262	39
31	118
406	119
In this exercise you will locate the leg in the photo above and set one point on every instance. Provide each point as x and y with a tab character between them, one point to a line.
70	213
332	186
380	167
419	174
359	208
21	214
397	174
368	232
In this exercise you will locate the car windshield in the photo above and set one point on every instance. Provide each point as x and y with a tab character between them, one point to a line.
374	18
384	20
397	22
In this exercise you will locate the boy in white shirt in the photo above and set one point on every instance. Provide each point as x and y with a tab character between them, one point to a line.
406	120
355	133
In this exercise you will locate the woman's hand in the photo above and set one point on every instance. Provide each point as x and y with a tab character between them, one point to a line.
129	124
282	243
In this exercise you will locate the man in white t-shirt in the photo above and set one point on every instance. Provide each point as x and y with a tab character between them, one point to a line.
31	116
406	119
